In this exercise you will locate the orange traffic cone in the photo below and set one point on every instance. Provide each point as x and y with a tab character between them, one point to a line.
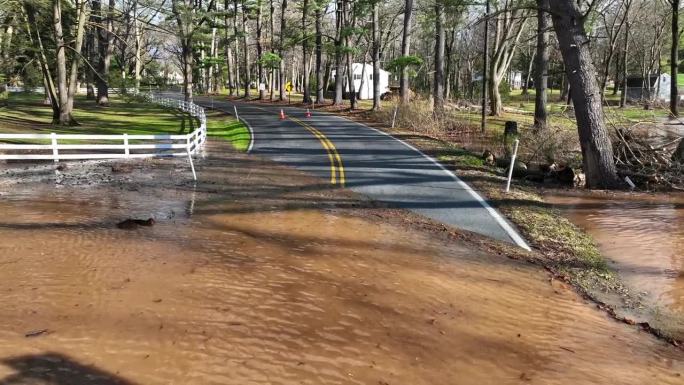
308	113
282	114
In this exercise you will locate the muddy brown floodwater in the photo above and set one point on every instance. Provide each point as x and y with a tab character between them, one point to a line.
642	235
228	289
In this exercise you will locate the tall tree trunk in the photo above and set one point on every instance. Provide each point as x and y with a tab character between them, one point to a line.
245	47
618	71
260	63
339	67
509	26
105	47
273	70
597	151
541	76
82	16
376	57
526	82
90	57
186	30
495	105
350	68
320	91
6	42
305	54
438	86
236	36
405	47
674	59
625	52
449	64
49	84
60	61
187	69
137	40
281	89
228	51
565	87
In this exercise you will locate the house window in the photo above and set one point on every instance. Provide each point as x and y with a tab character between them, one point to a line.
357	76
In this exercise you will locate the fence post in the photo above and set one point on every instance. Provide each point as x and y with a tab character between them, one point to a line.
55	150
192	166
510	168
127	150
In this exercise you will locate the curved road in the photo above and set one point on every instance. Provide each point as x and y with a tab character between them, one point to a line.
370	162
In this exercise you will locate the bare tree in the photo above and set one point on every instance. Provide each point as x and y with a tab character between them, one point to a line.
674	58
405	50
260	63
376	57
66	81
597	151
305	53
509	24
339	68
542	58
283	9
438	86
105	49
320	92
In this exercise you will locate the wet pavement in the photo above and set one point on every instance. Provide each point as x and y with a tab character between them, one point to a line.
258	275
641	234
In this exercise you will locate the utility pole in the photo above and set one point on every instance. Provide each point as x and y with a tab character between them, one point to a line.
483	123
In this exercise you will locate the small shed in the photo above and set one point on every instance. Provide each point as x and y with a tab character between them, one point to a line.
655	87
365	72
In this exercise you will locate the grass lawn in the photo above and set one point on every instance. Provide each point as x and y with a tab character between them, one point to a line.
25	113
221	125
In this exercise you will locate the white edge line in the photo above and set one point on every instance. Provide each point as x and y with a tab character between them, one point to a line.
519	241
251	134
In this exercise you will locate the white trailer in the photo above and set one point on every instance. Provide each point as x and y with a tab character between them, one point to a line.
365	90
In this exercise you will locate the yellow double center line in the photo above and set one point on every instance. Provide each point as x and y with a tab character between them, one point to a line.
336	166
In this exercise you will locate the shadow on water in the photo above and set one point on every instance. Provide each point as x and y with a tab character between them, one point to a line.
56	369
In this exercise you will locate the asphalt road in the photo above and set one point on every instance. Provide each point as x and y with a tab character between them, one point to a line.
369	162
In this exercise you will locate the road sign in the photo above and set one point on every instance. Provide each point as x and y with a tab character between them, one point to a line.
288	87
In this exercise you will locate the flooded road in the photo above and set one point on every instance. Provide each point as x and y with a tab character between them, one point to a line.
283	288
642	235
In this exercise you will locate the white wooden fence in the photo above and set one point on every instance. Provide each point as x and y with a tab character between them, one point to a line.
58	147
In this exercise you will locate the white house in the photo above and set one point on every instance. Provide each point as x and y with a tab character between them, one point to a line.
515	80
366	92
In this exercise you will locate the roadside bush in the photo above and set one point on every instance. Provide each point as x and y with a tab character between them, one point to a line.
553	145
